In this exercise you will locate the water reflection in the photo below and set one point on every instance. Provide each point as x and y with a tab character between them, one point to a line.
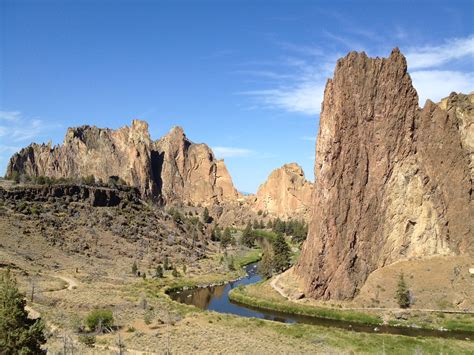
215	298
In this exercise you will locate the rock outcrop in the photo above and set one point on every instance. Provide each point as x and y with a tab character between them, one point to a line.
190	172
170	170
392	181
94	195
87	150
286	193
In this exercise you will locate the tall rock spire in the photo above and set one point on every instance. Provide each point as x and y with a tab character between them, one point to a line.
381	192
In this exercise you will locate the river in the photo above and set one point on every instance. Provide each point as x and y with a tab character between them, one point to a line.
216	298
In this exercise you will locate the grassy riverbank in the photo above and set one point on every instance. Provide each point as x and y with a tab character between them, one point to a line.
262	295
251	296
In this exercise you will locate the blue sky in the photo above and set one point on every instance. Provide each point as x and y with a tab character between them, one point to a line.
245	77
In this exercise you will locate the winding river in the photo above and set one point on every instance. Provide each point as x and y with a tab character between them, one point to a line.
216	298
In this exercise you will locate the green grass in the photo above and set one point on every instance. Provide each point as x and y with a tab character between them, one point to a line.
332	340
239	295
264	234
252	256
466	324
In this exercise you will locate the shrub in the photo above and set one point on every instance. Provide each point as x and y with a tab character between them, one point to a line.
148	318
98	319
159	272
230	264
15	176
87	340
88	180
175	272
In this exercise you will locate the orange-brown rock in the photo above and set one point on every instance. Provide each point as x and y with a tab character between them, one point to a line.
286	193
392	181
87	150
171	170
190	172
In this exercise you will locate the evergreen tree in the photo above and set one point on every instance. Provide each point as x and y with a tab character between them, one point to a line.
403	294
166	263
282	252
248	239
216	234
205	216
18	333
134	268
226	238
265	266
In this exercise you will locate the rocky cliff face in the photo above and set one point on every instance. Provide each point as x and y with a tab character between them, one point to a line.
190	172
392	181
172	169
286	193
94	151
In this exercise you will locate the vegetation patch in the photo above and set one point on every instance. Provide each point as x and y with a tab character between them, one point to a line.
239	295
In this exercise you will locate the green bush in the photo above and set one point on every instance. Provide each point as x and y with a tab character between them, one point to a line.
99	319
87	340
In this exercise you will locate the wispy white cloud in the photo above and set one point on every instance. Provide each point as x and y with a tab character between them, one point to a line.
309	138
297	83
8	149
17	130
435	56
304	98
437	84
232	152
12	116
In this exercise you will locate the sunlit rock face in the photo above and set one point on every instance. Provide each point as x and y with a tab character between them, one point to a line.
286	193
393	181
191	173
172	169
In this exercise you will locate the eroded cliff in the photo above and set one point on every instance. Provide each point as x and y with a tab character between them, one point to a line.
286	193
171	170
392	181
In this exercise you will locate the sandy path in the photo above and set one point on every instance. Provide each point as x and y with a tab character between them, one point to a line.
72	283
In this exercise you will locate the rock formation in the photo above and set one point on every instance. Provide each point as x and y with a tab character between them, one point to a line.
172	169
190	172
97	196
392	181
86	150
286	193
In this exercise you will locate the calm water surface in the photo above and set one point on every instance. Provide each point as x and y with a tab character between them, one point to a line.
216	298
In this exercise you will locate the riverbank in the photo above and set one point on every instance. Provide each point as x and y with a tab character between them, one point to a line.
263	295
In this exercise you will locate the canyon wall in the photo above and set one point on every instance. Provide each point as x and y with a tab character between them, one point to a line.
392	181
171	170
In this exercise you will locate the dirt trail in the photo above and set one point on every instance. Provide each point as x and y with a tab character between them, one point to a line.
72	283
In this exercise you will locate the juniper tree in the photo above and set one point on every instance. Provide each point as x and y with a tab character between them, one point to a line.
282	253
403	294
18	333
